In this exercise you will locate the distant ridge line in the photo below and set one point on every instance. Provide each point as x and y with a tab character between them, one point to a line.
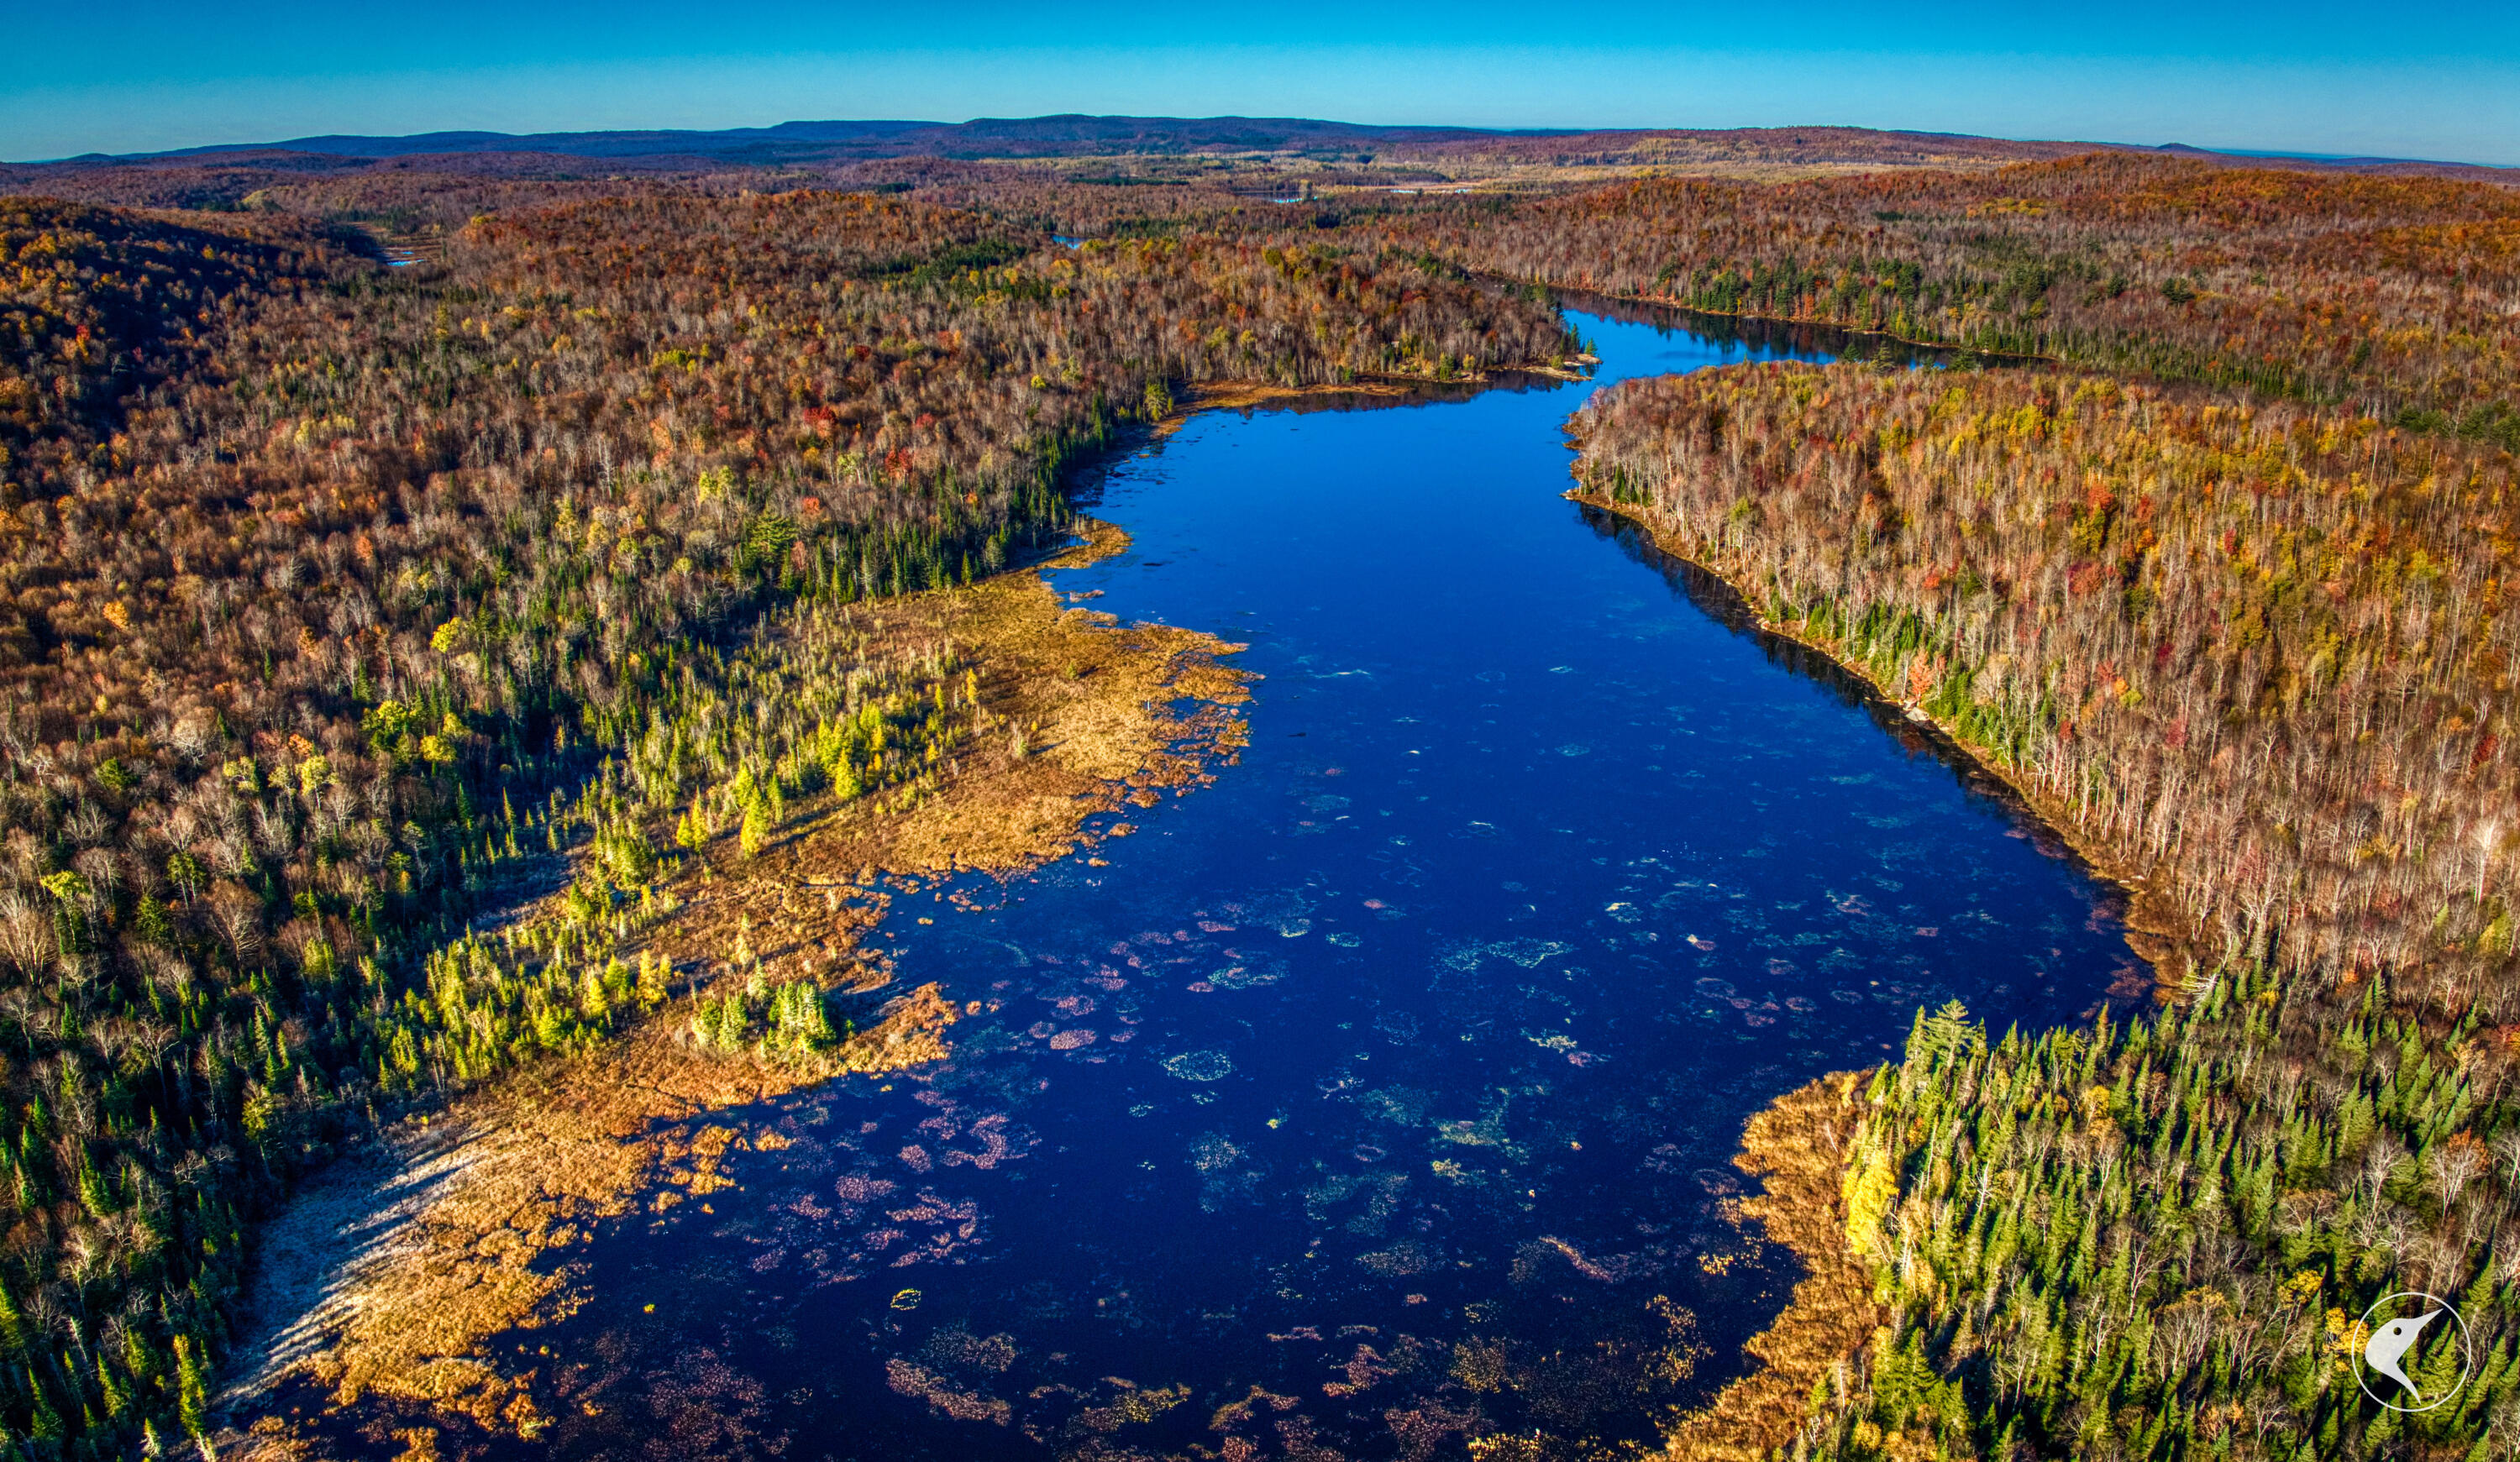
805	143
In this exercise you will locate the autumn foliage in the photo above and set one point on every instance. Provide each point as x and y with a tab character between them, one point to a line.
2260	651
96	305
2259	654
339	596
2393	295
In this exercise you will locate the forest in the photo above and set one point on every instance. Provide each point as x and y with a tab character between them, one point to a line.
341	598
349	606
2256	655
2391	295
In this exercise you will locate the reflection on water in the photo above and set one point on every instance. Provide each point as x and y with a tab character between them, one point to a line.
1381	1096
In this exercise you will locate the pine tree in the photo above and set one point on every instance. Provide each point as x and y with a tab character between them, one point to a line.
192	1387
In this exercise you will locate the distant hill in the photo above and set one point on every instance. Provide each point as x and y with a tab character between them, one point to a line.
219	176
804	138
1065	135
2244	157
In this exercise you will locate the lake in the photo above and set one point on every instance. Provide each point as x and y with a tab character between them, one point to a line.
1383	1093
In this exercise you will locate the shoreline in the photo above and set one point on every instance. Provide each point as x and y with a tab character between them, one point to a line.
382	1282
1804	321
456	1195
1830	1323
2154	930
1797	1147
1248	395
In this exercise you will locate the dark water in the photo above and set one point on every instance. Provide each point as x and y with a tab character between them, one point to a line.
1382	1094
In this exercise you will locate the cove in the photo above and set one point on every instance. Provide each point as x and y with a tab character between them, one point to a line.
1381	1095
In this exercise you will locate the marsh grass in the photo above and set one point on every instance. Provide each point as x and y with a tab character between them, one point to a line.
460	1235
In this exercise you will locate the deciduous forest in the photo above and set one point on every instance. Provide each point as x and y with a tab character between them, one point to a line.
2388	295
343	596
2255	653
336	591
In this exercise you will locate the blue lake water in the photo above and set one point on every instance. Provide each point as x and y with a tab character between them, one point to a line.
1383	1093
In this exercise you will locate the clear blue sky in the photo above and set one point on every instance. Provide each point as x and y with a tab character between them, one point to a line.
2432	78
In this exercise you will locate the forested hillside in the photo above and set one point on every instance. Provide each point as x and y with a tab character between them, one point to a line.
2397	296
362	585
2259	655
98	305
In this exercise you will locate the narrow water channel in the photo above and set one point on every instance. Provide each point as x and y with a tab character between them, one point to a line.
1382	1094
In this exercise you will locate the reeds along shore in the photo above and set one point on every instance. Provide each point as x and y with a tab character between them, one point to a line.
1799	1148
1062	715
2259	654
345	602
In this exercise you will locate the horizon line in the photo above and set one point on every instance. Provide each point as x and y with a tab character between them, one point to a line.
903	124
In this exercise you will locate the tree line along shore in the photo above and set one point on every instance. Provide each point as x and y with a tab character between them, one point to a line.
346	600
2257	654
